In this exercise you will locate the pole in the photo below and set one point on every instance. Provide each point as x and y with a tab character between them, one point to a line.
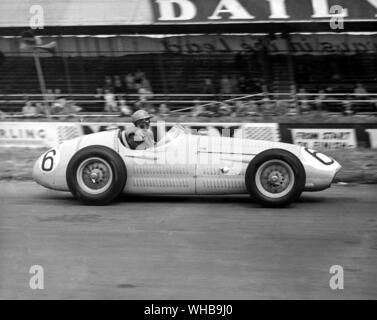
41	79
67	75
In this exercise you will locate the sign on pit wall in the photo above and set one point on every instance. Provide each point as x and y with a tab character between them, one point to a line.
49	134
36	134
324	139
372	137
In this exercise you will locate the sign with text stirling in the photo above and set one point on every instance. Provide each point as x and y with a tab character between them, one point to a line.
36	134
218	11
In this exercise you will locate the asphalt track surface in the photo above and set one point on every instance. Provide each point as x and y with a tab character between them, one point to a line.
187	248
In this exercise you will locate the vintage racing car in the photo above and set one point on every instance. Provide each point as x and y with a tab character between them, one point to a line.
97	167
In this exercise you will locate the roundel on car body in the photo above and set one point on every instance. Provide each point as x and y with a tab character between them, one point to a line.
50	160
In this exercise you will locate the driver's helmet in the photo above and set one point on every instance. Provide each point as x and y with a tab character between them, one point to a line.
140	115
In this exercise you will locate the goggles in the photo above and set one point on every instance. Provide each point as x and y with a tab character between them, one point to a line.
143	123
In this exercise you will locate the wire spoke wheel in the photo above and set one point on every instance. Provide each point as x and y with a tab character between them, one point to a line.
94	175
274	178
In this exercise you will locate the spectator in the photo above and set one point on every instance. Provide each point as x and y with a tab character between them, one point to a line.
28	110
225	85
58	105
145	83
208	87
108	84
50	97
42	109
292	109
347	107
241	108
268	106
303	103
234	84
163	110
360	90
224	110
243	86
144	95
110	103
318	101
332	105
139	75
125	110
199	111
99	93
129	80
99	98
70	108
118	86
360	94
282	107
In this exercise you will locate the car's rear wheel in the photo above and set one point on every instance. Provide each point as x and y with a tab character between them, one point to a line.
96	175
275	178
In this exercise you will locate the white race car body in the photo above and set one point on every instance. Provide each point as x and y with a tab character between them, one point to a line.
182	163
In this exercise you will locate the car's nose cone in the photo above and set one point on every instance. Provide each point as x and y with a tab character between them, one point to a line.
43	178
37	172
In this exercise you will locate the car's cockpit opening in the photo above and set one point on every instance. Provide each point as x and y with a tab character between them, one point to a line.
162	138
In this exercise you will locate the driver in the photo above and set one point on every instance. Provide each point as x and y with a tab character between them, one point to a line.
140	136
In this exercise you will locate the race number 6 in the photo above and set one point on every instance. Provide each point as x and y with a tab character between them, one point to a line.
48	160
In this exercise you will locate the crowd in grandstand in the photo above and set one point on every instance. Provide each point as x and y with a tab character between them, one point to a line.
230	97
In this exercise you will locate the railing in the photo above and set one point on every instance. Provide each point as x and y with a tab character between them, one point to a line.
183	103
97	101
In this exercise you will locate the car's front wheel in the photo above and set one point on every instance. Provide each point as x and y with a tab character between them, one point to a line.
275	178
96	175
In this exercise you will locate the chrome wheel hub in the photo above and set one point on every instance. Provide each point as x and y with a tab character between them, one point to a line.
274	178
94	175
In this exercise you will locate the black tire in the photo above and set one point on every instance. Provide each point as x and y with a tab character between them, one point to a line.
112	161
275	157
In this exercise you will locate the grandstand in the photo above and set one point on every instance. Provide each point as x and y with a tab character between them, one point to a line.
177	58
169	73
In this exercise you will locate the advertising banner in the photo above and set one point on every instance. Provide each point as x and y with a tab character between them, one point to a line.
45	134
372	137
324	139
222	11
36	134
313	44
25	13
315	136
